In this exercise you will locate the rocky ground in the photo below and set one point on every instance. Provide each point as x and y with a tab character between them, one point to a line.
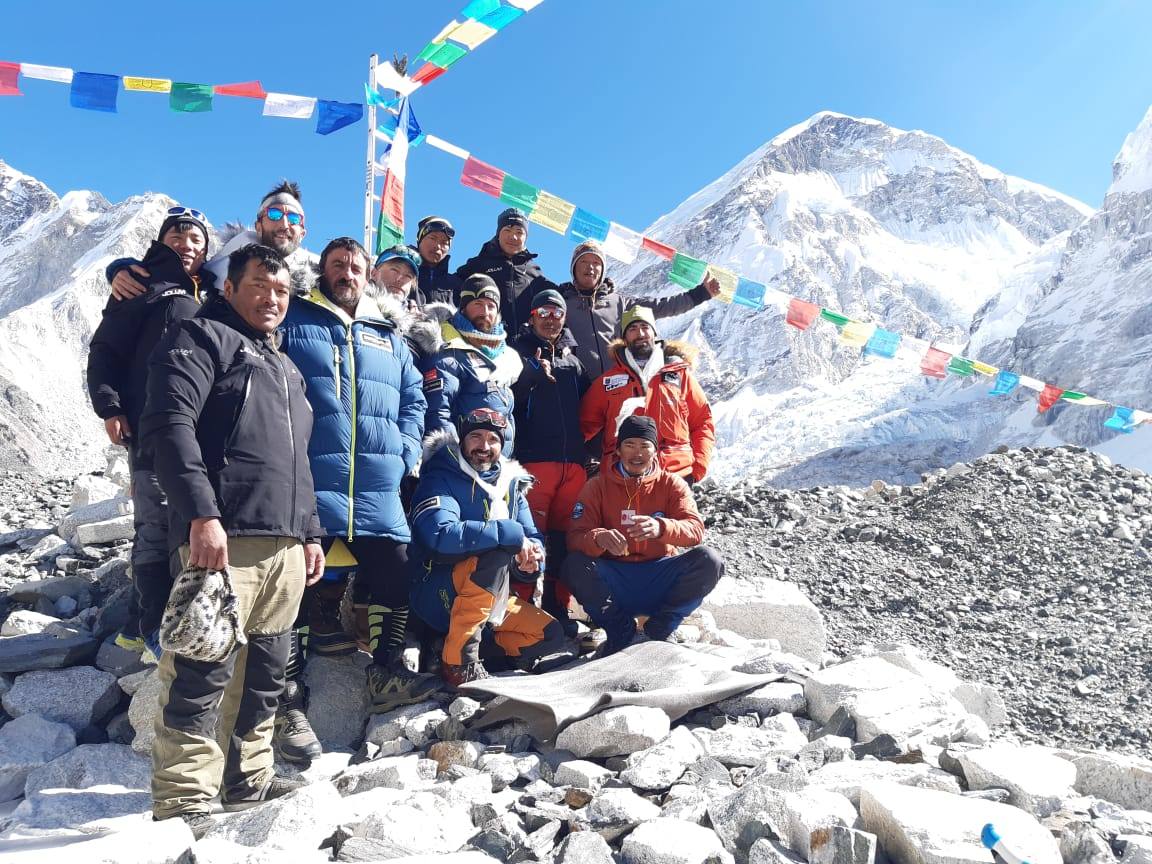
1028	570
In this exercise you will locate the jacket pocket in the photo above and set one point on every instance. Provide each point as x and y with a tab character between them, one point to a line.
244	397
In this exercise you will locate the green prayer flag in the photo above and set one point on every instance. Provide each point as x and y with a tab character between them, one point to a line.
835	317
190	97
961	366
428	50
1073	395
519	194
387	234
446	54
687	272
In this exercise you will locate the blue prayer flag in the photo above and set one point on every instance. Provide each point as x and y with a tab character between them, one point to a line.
388	122
882	343
749	293
480	8
1005	383
1121	420
588	226
337	115
500	18
94	91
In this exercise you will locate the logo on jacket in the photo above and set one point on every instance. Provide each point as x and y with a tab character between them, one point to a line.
251	352
427	504
578	510
374	341
614	382
432	381
671	378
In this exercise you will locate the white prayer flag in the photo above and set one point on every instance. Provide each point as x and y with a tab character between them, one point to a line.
387	78
46	73
287	105
622	243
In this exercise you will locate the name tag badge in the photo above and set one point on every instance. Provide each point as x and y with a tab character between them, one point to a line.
492	386
627	517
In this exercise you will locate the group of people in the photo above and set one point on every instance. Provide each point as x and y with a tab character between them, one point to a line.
475	447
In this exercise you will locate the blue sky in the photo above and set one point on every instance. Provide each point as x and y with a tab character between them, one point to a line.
625	107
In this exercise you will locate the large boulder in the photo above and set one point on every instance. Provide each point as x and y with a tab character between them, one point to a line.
736	744
770	609
672	841
850	776
922	826
142	711
423	822
584	847
1037	780
788	814
80	696
94	809
661	765
779	697
337	700
1116	777
26	744
92	765
614	812
614	732
301	820
111	509
22	622
34	651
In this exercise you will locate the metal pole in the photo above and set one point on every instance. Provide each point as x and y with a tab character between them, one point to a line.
370	167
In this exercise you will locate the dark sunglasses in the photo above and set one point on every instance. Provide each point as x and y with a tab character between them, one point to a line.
548	312
276	214
487	415
185	211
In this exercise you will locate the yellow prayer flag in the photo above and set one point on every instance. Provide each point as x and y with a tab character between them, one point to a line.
471	33
983	368
856	333
552	212
446	32
727	279
148	85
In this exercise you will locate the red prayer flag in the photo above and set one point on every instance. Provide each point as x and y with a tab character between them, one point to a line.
661	249
392	199
1049	396
251	89
801	313
428	72
482	177
9	75
935	363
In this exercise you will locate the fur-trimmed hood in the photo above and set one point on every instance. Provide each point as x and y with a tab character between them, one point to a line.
425	332
302	264
448	439
675	351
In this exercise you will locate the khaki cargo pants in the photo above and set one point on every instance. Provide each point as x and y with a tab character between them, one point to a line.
214	726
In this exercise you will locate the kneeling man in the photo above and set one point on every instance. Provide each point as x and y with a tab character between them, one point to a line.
634	544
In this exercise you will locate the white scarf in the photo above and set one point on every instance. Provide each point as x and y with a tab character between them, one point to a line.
655	364
497	492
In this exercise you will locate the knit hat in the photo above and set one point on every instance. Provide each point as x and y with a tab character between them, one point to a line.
402	253
176	215
477	286
634	314
549	297
431	224
482	418
637	426
511	216
589	247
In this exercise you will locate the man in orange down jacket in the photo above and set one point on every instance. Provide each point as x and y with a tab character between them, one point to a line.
634	544
653	378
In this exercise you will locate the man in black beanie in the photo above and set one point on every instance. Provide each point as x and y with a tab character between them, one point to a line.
506	259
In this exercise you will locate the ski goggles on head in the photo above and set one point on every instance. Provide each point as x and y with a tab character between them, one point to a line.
488	416
548	312
435	225
186	211
276	214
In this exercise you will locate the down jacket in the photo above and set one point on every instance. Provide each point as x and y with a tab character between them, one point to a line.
673	398
368	406
518	277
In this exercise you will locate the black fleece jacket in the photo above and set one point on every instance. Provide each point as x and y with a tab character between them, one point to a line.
548	412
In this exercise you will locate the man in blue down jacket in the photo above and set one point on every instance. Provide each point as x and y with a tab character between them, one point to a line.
368	408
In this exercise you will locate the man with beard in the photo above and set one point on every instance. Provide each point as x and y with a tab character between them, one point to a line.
433	242
472	367
654	378
368	406
279	225
505	259
472	533
550	445
626	555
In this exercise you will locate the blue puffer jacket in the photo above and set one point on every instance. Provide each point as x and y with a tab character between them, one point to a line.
368	413
451	521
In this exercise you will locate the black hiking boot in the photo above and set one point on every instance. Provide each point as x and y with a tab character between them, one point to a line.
292	733
277	787
327	635
392	684
199	823
454	676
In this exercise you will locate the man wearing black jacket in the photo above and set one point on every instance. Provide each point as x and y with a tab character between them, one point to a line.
228	426
506	260
434	241
547	407
117	376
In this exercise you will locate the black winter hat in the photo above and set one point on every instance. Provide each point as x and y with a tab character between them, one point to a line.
511	216
549	297
637	426
482	418
176	215
476	286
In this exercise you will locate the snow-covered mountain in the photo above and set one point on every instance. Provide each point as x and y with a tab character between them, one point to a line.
901	229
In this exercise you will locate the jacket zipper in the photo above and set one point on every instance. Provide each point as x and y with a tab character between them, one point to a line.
239	416
336	360
352	443
291	428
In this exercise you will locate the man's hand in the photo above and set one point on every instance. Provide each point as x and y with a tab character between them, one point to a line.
208	544
119	432
124	286
613	542
313	563
644	527
545	366
529	557
711	284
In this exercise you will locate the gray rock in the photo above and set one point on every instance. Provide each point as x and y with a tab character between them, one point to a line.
92	809
615	812
663	763
584	847
770	609
462	708
848	778
767	851
840	845
119	661
1037	780
47	547
1137	849
394	772
23	622
94	514
120	729
38	651
449	753
30	590
744	745
370	850
685	802
26	744
671	841
300	820
80	696
1115	777
1083	844
423	822
337	700
92	765
824	750
501	767
108	531
779	697
92	489
615	732
142	711
581	773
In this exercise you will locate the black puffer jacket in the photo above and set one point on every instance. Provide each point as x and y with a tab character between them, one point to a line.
548	413
227	425
437	284
519	279
130	329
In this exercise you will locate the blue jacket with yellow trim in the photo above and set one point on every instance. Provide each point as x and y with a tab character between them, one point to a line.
368	407
450	522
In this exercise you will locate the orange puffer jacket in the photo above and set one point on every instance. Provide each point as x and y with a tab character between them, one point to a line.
673	398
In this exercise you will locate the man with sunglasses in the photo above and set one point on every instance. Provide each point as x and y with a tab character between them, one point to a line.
550	445
279	225
471	528
434	241
117	384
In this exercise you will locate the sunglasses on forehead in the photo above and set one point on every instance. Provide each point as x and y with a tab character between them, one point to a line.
442	227
276	214
548	312
185	211
486	415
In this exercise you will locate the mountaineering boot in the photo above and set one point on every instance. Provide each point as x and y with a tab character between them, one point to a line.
198	823
326	633
619	637
277	787
292	733
392	684
454	676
